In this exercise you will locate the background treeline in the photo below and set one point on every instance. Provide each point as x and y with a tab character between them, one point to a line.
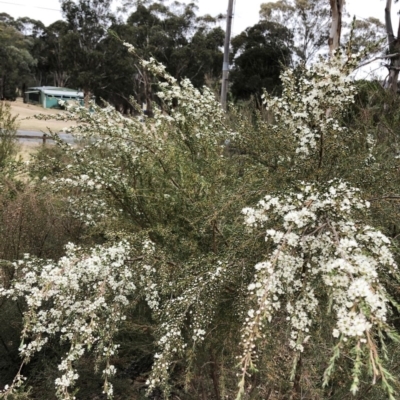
84	49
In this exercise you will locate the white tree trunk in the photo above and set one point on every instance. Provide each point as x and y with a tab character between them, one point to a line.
336	26
394	47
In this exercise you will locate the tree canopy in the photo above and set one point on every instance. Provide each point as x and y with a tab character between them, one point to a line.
16	61
260	54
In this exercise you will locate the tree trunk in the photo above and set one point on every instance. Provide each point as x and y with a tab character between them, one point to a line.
336	26
87	95
60	78
394	48
2	88
148	94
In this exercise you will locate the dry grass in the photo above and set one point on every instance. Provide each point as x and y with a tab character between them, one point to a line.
26	149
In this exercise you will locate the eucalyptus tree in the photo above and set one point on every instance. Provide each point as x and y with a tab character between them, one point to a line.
16	61
260	54
30	27
316	23
54	61
188	46
308	20
45	46
7	19
34	31
394	48
335	31
88	21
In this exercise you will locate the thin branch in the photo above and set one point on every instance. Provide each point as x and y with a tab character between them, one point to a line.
393	197
391	68
378	58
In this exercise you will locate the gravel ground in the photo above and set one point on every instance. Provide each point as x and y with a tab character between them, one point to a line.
26	121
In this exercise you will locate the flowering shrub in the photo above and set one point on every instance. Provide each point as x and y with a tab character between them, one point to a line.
319	242
8	130
79	299
311	105
168	197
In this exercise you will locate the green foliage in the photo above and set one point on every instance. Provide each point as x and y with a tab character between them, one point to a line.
165	262
87	21
173	188
260	54
15	60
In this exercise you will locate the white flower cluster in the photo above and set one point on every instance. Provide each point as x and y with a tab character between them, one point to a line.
89	212
190	311
199	110
94	176
80	299
312	102
147	280
86	202
320	251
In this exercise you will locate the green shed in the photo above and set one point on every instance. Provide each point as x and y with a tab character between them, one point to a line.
49	96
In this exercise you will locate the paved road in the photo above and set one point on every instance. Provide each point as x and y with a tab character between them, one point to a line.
64	136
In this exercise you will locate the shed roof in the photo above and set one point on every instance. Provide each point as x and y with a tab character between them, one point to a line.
56	91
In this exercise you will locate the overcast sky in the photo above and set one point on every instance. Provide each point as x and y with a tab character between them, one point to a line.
246	11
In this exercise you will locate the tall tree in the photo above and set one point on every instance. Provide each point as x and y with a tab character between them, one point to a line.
308	21
33	30
189	47
55	60
88	21
336	24
16	62
7	19
260	53
394	49
30	27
